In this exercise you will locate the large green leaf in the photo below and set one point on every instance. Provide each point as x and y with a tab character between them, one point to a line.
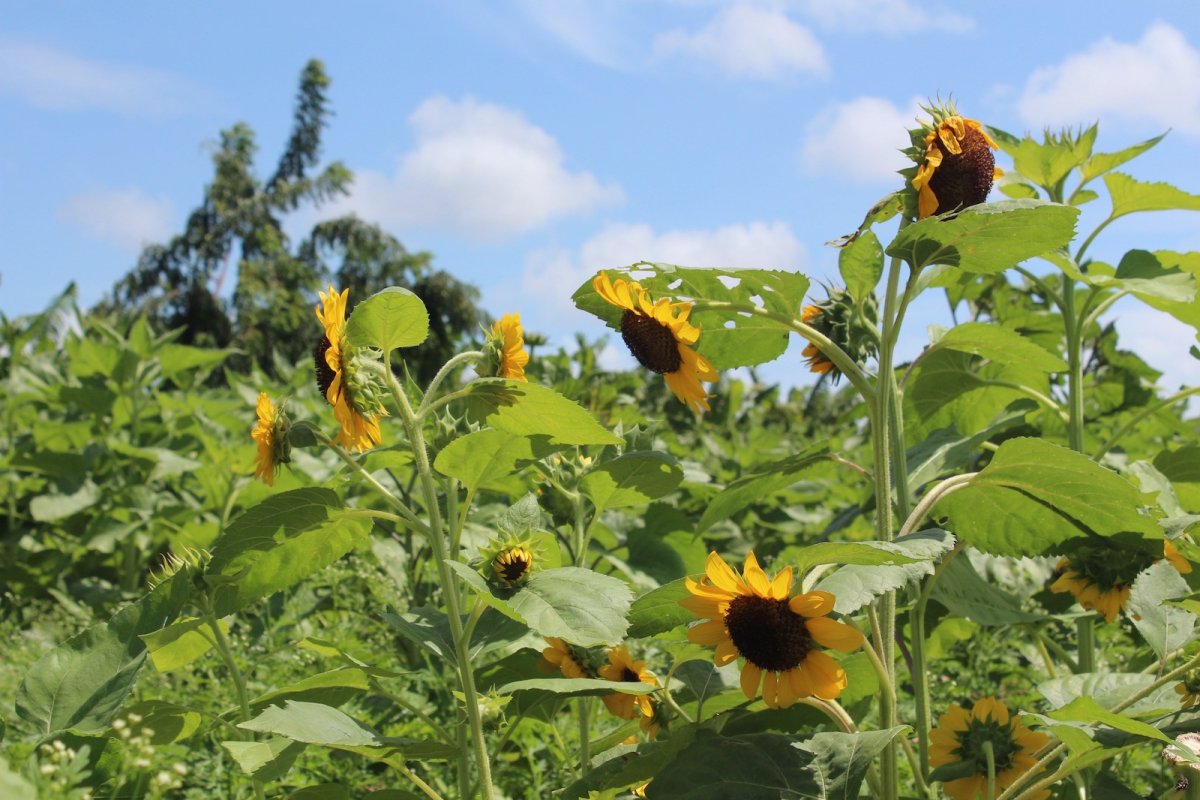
769	766
861	264
1170	278
1001	344
332	688
1035	495
1166	628
945	450
630	480
392	318
1087	710
1101	163
267	760
317	723
854	586
728	339
180	643
82	683
1048	162
486	458
988	238
279	543
1110	689
658	610
960	589
578	605
526	409
1143	275
53	507
759	484
577	686
1130	195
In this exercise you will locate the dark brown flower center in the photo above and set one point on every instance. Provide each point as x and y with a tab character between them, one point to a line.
325	375
965	179
652	343
767	633
512	566
629	676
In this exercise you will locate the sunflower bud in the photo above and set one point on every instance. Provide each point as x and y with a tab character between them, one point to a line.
955	164
848	324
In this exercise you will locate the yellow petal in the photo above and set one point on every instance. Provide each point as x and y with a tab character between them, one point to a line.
834	635
708	634
751	676
722	575
827	676
812	604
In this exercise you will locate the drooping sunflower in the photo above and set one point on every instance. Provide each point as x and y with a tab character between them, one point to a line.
660	337
506	349
622	668
956	167
755	617
270	432
1189	689
817	362
352	389
560	654
960	736
1100	574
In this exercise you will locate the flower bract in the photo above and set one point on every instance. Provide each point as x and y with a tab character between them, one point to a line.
778	636
660	337
960	736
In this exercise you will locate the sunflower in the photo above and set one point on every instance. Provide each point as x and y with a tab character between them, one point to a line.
660	337
271	434
755	617
622	668
817	362
960	736
957	168
506	348
343	377
1189	689
560	654
1107	602
513	565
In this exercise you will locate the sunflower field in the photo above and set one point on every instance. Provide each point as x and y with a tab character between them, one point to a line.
966	575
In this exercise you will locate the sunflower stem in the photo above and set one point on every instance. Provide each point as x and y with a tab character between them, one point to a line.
1121	432
585	745
1085	630
391	499
990	754
438	541
443	373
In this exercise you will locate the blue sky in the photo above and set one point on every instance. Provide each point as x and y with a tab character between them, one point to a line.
528	143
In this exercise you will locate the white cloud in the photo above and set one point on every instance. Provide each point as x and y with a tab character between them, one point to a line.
53	79
749	41
480	169
1161	340
891	17
859	140
586	27
127	217
552	275
1155	80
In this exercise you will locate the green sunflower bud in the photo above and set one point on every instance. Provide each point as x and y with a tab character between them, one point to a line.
848	323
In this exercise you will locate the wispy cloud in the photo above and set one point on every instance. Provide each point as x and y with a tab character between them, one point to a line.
481	170
859	140
128	218
889	17
597	31
53	79
748	40
1155	80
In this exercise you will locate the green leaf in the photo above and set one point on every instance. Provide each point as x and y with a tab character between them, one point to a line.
1018	190
577	686
169	721
1110	689
53	507
1182	468
728	339
841	760
999	344
944	451
389	319
854	586
316	723
526	409
280	542
332	688
987	238
13	785
1142	274
578	605
1101	163
82	683
658	610
1035	495
1130	195
861	264
268	760
1045	163
1165	628
494	597
180	643
186	365
960	589
805	557
630	480
1086	709
758	484
486	458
